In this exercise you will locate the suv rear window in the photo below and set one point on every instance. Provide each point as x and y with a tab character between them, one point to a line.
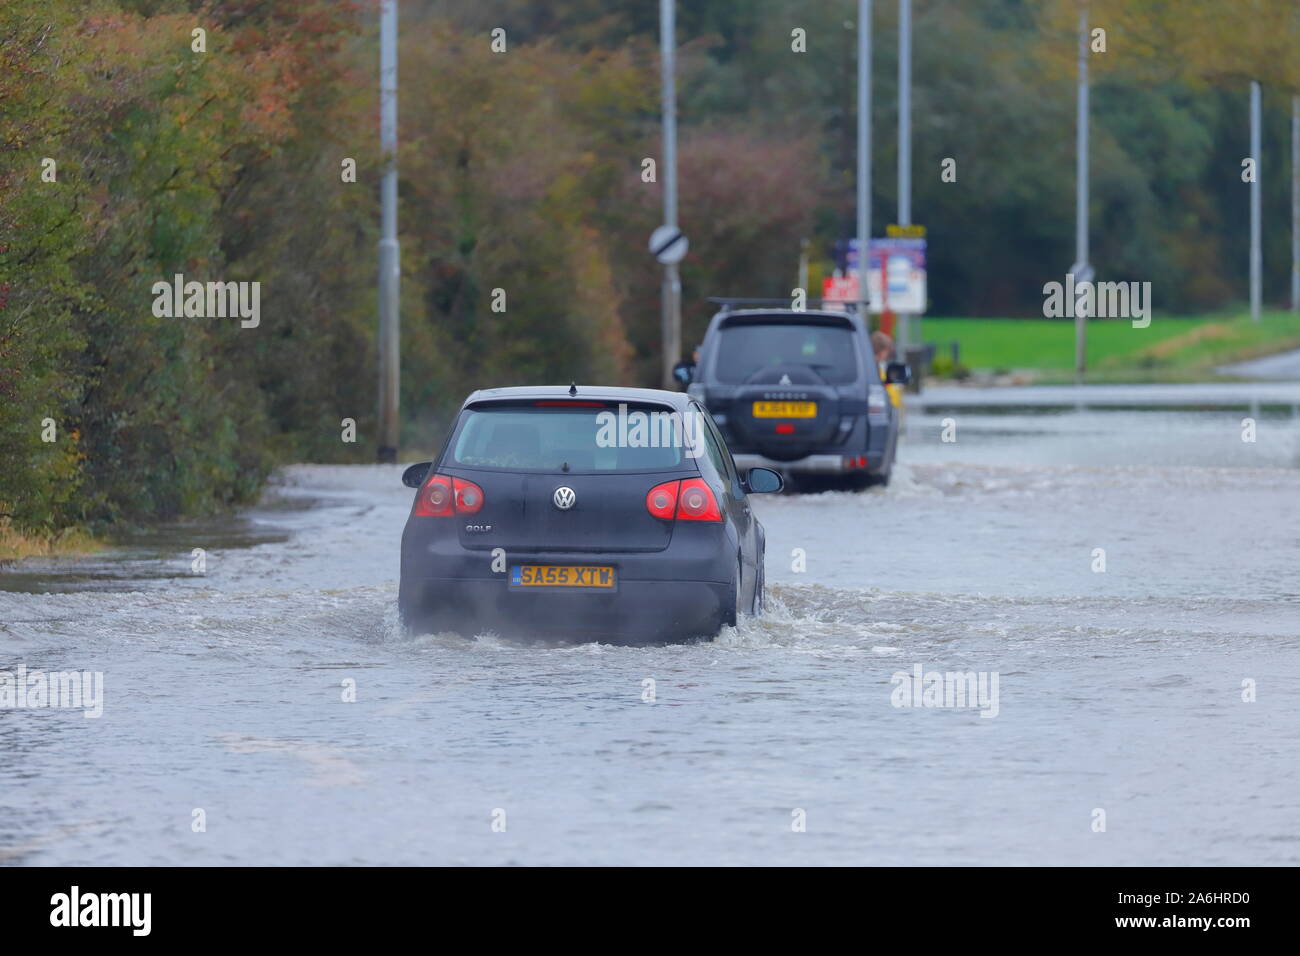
746	349
588	439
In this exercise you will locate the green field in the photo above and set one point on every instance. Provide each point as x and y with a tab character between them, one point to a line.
1169	349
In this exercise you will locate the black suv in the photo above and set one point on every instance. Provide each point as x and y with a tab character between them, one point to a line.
798	392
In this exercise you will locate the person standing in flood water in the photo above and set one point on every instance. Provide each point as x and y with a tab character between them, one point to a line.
883	347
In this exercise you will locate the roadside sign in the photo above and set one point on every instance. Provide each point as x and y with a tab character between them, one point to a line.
837	290
905	259
668	244
895	231
851	257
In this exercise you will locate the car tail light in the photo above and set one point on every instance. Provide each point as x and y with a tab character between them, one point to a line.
468	498
434	499
661	500
695	502
442	496
690	499
785	429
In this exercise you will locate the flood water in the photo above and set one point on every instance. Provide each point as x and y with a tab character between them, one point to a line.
1119	691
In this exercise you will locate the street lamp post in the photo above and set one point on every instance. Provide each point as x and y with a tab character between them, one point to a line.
864	155
672	286
389	256
904	144
1295	204
1082	269
1256	252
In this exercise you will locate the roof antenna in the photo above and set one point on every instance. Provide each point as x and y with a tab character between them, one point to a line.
573	388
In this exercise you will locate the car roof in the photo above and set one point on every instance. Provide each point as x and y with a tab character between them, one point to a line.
793	316
790	312
594	393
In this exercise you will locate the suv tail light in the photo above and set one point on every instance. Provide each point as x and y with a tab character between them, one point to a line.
690	499
442	496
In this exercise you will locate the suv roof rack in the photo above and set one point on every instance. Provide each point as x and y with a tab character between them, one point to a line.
728	303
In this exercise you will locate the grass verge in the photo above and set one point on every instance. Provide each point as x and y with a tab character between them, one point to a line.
1171	349
16	544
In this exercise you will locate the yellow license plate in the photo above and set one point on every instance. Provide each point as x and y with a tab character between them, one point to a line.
785	409
561	576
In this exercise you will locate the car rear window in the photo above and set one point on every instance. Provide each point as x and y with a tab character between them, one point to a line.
533	437
746	349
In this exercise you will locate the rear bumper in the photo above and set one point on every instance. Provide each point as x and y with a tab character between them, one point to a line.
816	464
681	592
634	612
866	449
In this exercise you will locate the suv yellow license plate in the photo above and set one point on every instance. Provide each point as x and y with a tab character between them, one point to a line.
785	409
562	576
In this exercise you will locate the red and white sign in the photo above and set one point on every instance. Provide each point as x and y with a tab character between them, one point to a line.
904	261
839	289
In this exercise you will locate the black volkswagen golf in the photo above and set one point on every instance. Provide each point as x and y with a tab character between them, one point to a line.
613	514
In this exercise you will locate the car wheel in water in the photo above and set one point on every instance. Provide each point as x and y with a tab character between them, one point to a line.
413	623
410	617
760	587
858	482
861	482
733	601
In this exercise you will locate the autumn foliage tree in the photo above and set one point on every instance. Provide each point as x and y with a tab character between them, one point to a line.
524	208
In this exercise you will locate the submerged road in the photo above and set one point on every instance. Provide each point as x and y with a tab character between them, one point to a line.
1284	366
1151	698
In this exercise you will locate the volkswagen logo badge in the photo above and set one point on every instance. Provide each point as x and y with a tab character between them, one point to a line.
564	498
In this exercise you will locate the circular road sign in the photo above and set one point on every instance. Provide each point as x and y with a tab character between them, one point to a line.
668	244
